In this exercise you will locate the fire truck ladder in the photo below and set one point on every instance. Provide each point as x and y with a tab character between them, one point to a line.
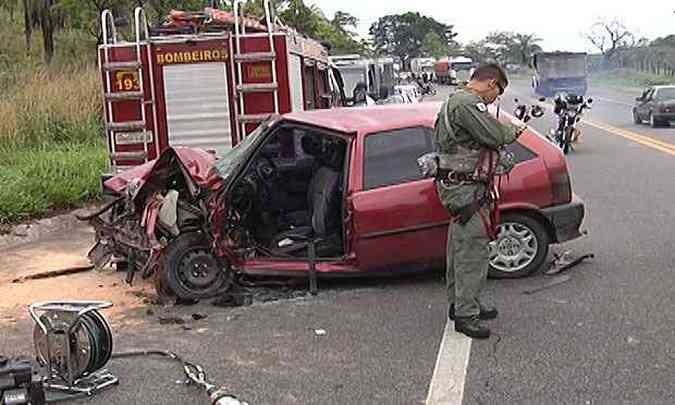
125	132
247	57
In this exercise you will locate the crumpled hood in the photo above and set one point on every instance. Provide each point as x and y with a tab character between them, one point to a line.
196	163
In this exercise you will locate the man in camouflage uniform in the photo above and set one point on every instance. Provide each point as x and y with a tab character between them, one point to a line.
465	133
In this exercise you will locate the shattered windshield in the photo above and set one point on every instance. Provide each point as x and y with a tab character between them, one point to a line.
240	153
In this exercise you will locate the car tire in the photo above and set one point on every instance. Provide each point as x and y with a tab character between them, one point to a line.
652	121
521	247
191	271
636	118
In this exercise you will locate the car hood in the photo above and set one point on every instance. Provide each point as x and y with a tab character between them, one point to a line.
197	165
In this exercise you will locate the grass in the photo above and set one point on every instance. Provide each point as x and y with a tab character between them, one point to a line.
628	79
52	151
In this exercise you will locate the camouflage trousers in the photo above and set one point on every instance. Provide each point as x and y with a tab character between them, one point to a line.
467	266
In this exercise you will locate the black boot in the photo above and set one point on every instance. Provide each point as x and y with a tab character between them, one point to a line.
472	327
485	313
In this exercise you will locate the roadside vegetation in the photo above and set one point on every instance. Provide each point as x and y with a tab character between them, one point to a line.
51	148
628	79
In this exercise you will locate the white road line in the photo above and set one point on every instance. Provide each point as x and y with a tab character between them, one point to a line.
609	100
447	382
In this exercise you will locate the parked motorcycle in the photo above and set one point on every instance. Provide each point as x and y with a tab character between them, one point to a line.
525	113
569	108
428	89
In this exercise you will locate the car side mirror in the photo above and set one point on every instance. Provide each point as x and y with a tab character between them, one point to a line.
590	101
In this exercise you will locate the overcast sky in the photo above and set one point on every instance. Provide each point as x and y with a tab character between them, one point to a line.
559	23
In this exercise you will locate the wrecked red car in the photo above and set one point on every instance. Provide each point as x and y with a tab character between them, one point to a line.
332	192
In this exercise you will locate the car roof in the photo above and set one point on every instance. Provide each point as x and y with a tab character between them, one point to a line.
360	120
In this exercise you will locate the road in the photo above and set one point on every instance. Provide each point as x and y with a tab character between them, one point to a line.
604	337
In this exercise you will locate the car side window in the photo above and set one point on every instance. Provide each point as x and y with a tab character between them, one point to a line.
390	157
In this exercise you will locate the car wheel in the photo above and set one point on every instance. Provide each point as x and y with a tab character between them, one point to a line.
520	249
652	121
636	118
191	271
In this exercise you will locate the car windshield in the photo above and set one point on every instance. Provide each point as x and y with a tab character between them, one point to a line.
227	164
462	66
667	93
351	77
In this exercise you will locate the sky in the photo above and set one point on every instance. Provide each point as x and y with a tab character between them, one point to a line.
560	24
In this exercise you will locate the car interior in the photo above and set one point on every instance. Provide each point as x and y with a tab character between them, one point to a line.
291	193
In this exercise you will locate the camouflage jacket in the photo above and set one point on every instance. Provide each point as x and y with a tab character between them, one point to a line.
463	128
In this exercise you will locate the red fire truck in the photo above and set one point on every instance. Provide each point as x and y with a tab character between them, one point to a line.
205	80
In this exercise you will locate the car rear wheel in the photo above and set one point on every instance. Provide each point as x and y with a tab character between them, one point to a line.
520	249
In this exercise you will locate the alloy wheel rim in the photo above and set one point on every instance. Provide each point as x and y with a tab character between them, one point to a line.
515	248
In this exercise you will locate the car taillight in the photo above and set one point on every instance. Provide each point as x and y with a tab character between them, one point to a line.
561	187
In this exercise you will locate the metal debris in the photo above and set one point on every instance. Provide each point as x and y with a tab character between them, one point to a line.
564	262
171	320
556	281
54	273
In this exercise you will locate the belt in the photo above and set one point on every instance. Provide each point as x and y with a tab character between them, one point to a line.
456	178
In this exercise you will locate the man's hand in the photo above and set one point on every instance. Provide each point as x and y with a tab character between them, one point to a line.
519	126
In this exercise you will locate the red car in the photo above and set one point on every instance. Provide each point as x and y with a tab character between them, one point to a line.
342	183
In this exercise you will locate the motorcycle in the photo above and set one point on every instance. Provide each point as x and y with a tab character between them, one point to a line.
569	109
428	89
525	113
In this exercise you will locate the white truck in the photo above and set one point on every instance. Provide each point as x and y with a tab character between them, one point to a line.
423	68
454	71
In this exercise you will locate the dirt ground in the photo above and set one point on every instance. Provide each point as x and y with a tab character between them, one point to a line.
64	250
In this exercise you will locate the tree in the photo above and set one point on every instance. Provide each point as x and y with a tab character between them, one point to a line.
403	35
609	37
10	6
526	45
433	45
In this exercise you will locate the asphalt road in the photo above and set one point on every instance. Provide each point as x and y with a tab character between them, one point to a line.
604	337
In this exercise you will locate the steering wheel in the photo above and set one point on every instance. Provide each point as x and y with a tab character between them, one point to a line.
243	195
266	169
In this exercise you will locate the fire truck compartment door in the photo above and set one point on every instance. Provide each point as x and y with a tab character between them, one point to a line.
295	77
197	106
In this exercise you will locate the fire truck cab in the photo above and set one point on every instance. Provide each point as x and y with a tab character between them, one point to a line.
205	80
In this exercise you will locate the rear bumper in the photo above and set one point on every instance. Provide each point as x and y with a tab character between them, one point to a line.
669	116
566	219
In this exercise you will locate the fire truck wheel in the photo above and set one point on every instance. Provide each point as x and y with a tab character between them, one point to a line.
192	271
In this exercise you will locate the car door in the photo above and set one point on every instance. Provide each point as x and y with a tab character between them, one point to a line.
643	104
398	221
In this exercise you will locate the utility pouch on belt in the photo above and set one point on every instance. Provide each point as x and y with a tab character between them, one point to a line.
461	161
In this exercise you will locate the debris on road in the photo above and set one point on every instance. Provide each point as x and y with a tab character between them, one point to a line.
171	320
198	317
556	281
320	332
54	273
564	262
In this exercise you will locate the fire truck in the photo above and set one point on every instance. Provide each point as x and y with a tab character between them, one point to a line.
205	80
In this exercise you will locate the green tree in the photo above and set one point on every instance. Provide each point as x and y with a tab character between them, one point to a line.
433	45
526	45
403	35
